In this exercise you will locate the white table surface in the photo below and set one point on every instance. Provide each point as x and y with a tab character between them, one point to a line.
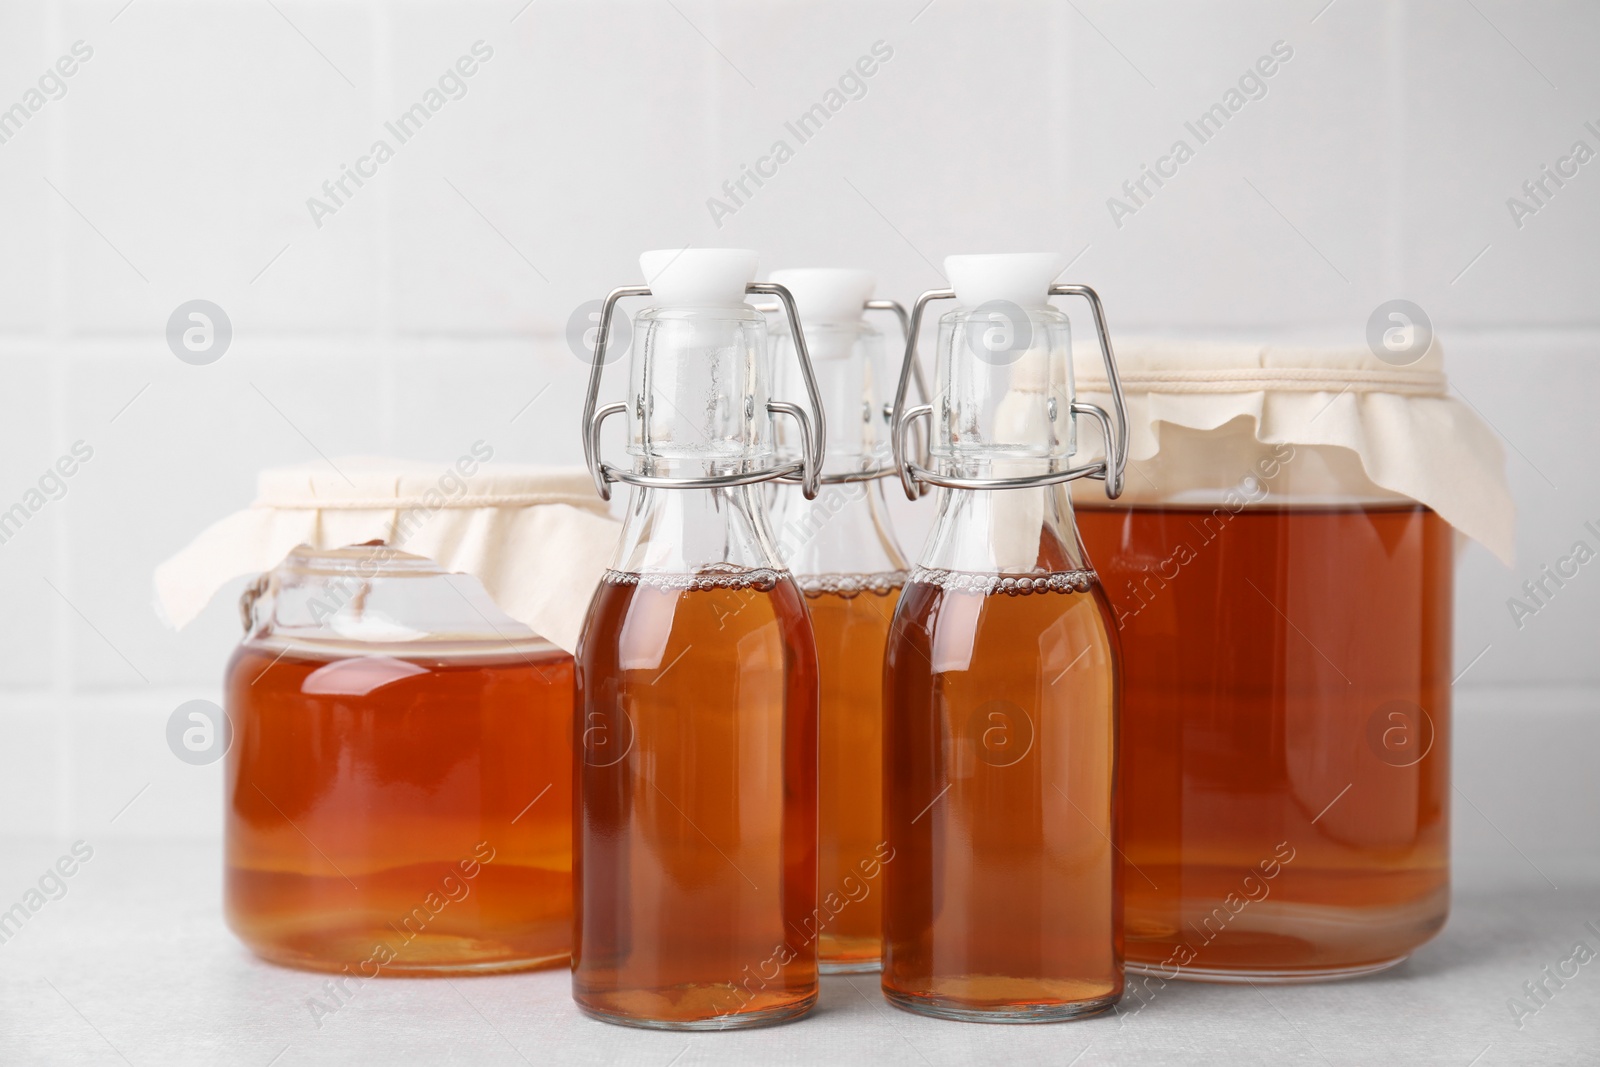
134	965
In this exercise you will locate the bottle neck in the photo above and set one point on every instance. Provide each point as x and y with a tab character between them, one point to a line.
851	372
1005	531
687	531
698	382
844	531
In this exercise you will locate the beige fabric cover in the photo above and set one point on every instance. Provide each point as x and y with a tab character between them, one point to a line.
538	538
1372	430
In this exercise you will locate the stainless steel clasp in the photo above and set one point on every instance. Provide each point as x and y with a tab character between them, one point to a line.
813	427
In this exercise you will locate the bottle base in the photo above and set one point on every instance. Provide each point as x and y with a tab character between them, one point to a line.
397	969
867	966
749	1020
944	1008
1265	975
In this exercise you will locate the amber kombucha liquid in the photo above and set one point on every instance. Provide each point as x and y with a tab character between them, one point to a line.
401	816
1001	898
1285	732
695	830
850	616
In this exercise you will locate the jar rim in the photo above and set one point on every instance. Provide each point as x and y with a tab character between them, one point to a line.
369	559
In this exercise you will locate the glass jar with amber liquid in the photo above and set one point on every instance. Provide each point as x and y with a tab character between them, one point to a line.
399	780
844	555
695	819
1002	903
1281	575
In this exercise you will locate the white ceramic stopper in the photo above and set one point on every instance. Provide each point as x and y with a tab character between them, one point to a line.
698	277
827	294
1022	278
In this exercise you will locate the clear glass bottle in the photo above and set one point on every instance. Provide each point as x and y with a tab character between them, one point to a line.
695	825
850	568
1002	903
398	785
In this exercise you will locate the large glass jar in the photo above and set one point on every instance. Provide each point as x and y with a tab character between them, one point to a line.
399	780
1285	625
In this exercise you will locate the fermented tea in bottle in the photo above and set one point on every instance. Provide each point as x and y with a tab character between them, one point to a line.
1003	900
844	555
695	819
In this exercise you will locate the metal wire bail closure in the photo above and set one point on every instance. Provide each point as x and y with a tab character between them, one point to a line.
813	427
914	476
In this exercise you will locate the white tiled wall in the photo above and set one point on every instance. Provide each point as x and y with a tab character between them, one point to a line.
428	310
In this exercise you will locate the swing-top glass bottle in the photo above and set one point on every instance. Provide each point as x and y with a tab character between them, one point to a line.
695	811
844	555
1003	901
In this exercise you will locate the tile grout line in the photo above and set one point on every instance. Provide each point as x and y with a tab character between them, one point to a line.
56	317
430	343
382	58
1395	265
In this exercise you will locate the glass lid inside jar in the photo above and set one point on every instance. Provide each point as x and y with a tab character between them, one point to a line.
373	597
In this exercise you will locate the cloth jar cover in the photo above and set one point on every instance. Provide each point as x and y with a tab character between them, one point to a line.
1200	412
537	538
